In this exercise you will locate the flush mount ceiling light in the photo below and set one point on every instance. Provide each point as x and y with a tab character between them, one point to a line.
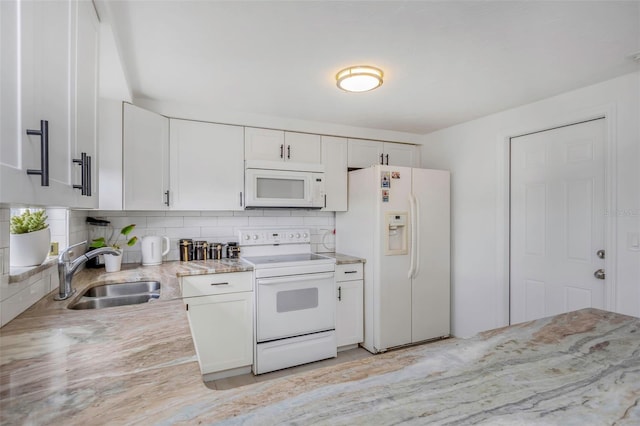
359	78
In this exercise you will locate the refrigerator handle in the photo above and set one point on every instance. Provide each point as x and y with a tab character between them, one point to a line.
412	251
416	233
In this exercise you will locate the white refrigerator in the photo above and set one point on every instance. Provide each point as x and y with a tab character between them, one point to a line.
399	222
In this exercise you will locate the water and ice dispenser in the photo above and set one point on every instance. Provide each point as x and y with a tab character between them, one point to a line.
395	233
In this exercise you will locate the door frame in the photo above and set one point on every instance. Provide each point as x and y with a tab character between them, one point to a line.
503	216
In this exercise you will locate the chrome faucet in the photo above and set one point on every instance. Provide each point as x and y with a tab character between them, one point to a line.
67	267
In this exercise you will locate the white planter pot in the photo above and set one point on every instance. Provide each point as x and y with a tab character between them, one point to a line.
30	249
112	262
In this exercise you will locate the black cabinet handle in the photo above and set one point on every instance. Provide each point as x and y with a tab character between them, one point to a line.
340	293
88	177
44	153
166	194
382	159
325	201
281	150
288	152
387	159
83	173
240	198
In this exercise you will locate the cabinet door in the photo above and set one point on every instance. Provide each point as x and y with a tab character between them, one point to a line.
334	159
364	153
145	159
86	99
302	148
399	154
207	166
37	65
263	144
222	329
349	313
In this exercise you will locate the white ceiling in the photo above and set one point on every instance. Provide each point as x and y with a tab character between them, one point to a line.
444	62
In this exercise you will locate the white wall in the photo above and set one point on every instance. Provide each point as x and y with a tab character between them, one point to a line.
477	155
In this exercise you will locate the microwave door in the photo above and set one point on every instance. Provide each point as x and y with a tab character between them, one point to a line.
277	188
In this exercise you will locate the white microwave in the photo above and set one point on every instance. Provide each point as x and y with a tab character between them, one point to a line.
266	188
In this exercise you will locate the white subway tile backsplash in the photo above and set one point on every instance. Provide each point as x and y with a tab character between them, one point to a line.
165	222
290	221
277	213
217	214
263	221
152	213
316	221
200	221
183	213
5	214
249	213
214	232
233	221
186	232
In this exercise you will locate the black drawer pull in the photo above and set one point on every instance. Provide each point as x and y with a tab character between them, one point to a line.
350	272
219	283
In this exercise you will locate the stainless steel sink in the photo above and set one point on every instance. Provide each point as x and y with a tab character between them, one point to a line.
108	302
123	289
118	294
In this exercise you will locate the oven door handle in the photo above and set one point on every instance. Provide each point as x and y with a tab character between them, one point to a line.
294	278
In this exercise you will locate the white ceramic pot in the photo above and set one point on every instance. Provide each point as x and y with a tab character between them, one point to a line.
30	249
112	262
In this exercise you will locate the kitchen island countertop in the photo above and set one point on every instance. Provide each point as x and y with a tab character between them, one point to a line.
137	365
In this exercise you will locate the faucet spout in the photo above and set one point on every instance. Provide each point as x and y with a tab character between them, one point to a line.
67	267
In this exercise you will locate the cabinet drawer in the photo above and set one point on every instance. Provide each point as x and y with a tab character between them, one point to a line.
204	285
349	272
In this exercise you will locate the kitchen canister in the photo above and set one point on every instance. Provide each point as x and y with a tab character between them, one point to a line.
215	251
186	249
198	250
233	251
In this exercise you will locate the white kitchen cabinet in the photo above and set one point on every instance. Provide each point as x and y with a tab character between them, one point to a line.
206	166
86	104
334	159
365	153
145	159
349	304
278	145
220	311
302	148
41	44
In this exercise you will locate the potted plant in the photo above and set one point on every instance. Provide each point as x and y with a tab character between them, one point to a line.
30	238
113	262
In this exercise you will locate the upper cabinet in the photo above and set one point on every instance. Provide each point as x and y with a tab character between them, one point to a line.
48	77
365	153
145	136
207	166
278	145
334	159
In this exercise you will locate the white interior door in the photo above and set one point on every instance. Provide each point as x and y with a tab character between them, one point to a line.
557	220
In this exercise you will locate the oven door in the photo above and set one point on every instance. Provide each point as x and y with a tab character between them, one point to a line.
294	305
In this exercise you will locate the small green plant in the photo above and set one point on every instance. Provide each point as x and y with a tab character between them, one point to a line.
102	242
29	222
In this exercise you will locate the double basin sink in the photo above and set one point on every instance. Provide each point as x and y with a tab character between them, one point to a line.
118	294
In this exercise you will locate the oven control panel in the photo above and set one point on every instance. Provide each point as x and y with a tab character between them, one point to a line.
258	237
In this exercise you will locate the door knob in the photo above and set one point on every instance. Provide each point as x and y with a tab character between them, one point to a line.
600	254
599	274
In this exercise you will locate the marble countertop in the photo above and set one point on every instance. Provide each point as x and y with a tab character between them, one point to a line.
137	365
344	259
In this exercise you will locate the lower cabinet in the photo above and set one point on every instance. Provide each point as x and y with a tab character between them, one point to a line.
220	311
349	304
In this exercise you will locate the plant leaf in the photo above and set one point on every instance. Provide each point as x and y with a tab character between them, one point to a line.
132	241
98	242
127	229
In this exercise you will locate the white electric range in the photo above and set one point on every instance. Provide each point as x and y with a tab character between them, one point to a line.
295	298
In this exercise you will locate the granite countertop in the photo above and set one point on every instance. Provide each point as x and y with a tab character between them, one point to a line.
137	365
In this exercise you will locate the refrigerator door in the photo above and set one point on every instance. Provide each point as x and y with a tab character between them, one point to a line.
430	294
392	285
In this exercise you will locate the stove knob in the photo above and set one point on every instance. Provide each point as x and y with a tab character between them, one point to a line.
304	235
290	235
255	236
298	235
246	236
